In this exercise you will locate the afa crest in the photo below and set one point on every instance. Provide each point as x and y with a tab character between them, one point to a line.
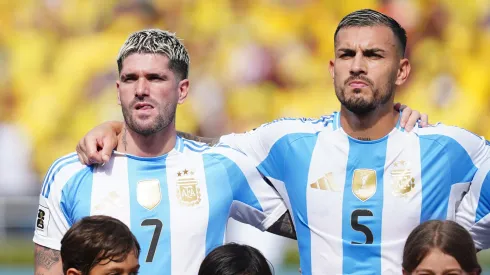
364	183
402	180
188	192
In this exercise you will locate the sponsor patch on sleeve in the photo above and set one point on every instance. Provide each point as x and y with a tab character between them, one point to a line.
42	221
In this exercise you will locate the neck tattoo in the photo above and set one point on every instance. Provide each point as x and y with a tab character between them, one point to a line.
124	140
364	138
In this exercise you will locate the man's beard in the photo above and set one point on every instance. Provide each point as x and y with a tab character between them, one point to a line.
361	106
161	121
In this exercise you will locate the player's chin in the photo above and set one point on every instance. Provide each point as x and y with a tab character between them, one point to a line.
359	105
144	121
359	97
144	116
146	129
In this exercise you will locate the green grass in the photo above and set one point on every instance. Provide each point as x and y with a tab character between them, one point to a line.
16	252
484	259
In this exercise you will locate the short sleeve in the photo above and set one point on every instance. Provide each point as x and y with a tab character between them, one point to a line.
462	145
474	211
52	220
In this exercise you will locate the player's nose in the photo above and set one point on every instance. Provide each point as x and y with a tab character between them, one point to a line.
142	88
358	65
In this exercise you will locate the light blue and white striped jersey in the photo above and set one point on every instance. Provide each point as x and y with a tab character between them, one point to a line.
474	211
177	205
355	202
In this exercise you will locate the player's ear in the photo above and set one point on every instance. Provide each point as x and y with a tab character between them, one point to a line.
118	93
331	68
403	71
73	271
183	90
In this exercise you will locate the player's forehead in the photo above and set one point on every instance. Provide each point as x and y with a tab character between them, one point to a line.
366	37
145	62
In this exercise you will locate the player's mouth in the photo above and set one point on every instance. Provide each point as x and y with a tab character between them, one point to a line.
143	106
143	109
357	84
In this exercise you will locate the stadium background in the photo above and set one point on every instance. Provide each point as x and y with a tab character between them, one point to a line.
251	61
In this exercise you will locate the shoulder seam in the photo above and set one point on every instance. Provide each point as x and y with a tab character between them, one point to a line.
216	150
56	163
195	143
325	119
52	178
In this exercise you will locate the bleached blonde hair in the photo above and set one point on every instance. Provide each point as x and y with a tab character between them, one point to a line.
157	42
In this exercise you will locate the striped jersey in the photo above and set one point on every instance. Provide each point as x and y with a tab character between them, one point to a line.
354	202
474	211
177	205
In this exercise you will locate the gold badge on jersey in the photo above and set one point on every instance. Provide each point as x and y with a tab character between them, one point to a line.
364	183
402	180
188	192
148	193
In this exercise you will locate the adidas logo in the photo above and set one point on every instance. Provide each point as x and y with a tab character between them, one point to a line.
326	183
111	201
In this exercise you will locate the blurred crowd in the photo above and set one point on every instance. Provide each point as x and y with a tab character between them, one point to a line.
251	61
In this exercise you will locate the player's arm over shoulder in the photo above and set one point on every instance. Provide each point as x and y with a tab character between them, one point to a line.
53	216
257	143
47	261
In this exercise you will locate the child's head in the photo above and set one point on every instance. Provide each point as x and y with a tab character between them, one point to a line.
235	259
97	244
440	247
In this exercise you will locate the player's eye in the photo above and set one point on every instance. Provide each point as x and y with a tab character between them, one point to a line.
372	55
129	79
156	77
346	55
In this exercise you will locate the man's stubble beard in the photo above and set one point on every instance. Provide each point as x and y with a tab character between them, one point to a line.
363	107
164	118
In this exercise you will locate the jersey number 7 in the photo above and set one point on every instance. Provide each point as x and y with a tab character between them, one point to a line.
156	235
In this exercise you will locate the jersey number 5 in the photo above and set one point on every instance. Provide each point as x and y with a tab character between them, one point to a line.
156	235
354	222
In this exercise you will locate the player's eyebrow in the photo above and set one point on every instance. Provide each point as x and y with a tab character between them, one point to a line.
156	75
127	75
373	51
365	51
346	51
